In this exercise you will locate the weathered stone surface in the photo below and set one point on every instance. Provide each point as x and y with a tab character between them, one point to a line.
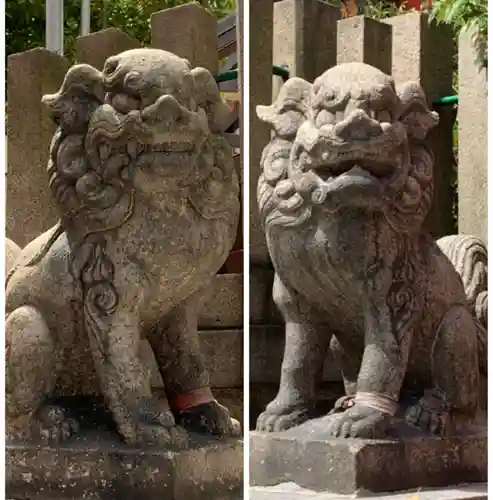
262	308
223	305
473	141
361	39
263	392
423	52
347	183
232	399
96	47
189	31
96	465
222	350
349	466
147	193
266	353
260	90
30	208
290	491
305	37
12	251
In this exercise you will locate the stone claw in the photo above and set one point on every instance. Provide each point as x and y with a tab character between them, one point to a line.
431	415
209	418
359	421
157	435
281	418
52	425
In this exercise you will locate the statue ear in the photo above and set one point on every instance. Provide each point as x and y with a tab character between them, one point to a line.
208	97
289	110
414	111
82	84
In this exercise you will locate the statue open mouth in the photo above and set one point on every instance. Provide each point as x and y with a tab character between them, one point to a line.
337	168
375	168
170	148
164	154
330	156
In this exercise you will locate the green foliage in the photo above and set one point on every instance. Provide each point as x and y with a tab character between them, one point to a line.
382	9
466	16
25	19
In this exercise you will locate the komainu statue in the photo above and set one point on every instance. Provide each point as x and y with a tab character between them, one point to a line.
148	196
346	185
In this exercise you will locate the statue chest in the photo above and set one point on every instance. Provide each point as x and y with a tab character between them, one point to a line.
325	260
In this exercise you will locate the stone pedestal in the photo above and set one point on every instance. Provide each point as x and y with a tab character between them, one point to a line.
290	491
350	466
97	465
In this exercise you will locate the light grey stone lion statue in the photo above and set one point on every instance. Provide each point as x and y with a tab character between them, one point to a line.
149	205
346	184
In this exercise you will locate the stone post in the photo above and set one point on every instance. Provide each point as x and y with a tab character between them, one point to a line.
360	39
424	53
30	208
473	142
261	14
96	47
189	31
305	37
239	51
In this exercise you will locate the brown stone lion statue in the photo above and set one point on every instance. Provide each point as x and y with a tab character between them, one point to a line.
149	205
347	182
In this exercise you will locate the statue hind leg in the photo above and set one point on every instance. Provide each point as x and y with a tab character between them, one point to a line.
453	403
32	361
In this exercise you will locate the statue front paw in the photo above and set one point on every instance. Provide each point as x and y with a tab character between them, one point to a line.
359	421
209	418
149	434
52	425
157	426
281	417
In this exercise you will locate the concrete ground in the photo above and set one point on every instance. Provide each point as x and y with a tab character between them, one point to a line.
291	491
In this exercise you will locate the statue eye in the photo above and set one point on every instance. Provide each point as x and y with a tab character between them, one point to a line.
324	117
110	66
125	103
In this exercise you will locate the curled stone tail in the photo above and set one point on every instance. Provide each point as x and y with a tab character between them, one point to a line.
469	257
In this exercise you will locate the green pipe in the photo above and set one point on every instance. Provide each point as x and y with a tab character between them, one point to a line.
280	71
444	101
227	76
284	74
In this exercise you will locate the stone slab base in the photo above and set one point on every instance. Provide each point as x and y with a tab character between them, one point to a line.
349	466
290	491
96	465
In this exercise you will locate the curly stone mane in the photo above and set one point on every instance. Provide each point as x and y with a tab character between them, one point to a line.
86	176
284	200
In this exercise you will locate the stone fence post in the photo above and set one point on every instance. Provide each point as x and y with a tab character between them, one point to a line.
96	47
360	39
30	209
305	37
424	52
261	14
473	142
189	31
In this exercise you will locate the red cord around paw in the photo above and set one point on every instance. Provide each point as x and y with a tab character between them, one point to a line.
180	402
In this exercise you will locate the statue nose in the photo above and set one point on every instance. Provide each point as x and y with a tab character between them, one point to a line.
358	126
